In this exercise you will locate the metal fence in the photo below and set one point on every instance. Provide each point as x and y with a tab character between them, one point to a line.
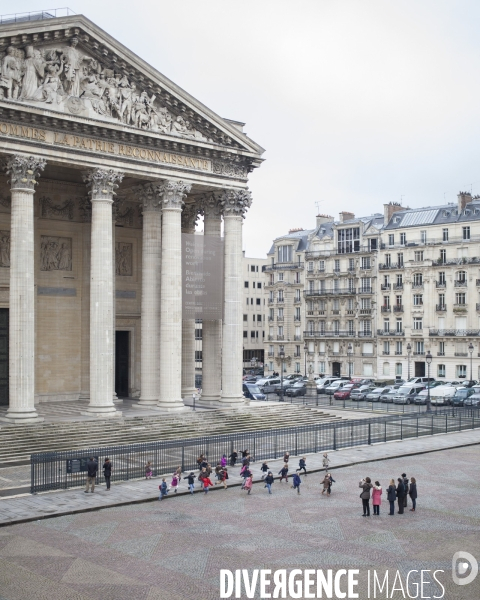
62	470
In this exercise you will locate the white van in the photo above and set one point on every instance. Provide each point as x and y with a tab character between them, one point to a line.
442	395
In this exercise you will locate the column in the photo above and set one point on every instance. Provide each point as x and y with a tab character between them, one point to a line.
189	218
102	183
150	323
212	330
114	293
234	204
172	193
23	171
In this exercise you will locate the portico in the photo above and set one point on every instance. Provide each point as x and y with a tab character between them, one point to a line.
70	281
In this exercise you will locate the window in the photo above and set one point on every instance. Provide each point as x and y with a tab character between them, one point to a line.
351	264
445	234
280	313
419	347
297	367
366	283
417	299
297	295
259	284
367	327
321	366
386	280
280	295
336	285
423	236
418	255
351	327
259	318
400	280
386	301
367	369
348	240
398	348
245	318
247	299
310	266
252	333
403	239
441	371
461	277
386	325
336	304
441	277
336	268
321	266
443	256
365	303
351	285
418	323
391	239
386	347
460	298
198	334
259	301
280	277
441	300
246	284
252	268
245	334
466	233
461	371
284	254
399	328
297	313
388	260
280	330
398	300
417	279
198	356
372	244
386	368
365	262
400	259
398	369
441	349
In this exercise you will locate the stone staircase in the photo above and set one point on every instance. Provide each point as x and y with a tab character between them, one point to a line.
18	442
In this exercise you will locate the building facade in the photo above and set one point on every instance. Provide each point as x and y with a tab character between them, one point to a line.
107	163
254	315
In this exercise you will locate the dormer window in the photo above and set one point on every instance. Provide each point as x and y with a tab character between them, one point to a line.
397	219
445	213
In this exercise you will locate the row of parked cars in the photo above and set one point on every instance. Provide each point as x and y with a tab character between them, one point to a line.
413	391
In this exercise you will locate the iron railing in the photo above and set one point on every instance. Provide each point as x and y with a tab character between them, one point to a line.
62	470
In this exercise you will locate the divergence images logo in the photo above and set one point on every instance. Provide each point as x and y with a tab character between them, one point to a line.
462	562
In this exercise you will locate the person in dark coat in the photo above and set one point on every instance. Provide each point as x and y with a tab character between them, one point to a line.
400	495
296	482
233	458
366	485
392	496
302	465
92	468
405	485
269	482
283	473
191	481
264	470
107	472
412	492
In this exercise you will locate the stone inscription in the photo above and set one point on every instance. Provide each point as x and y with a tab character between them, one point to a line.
55	253
54	291
104	147
126	294
123	259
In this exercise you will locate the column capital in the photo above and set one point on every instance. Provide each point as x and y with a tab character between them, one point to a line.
235	203
102	183
173	192
23	171
149	197
190	216
210	204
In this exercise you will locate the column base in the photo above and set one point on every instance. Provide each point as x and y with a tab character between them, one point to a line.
146	403
103	412
20	418
232	401
187	393
171	406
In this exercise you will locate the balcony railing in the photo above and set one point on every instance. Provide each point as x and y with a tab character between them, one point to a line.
419	353
386	266
297	319
367	353
297	338
280	338
282	266
386	309
325	333
271	300
440	307
363	334
398	308
460	283
398	353
280	300
454	332
460	307
477	282
440	284
462	354
478	306
296	355
271	354
386	286
365	311
271	318
365	290
271	338
329	292
386	353
395	333
417	286
280	318
440	353
398	286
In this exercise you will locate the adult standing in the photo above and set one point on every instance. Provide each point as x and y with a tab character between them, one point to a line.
107	472
412	492
233	458
366	485
92	468
400	495
391	496
406	487
377	498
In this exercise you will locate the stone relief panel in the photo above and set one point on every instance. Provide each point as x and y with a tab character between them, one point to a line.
123	259
4	248
229	169
68	80
55	253
50	210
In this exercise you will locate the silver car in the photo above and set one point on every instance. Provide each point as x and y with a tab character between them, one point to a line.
374	395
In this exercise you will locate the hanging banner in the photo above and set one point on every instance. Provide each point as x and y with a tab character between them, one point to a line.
202	274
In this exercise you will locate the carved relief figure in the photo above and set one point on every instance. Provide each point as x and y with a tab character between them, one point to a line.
59	211
73	60
55	253
123	259
34	72
10	80
4	248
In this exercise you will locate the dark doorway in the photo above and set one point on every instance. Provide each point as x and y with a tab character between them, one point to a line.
122	362
419	369
4	356
336	367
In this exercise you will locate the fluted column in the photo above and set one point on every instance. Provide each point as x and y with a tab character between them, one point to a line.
172	193
234	204
151	255
212	330
23	171
114	294
102	184
189	218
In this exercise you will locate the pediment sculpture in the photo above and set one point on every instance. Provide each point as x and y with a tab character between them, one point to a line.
67	80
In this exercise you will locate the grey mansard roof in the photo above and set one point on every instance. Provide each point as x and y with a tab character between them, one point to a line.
435	215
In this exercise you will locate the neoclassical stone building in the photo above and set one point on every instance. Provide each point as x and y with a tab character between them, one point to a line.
107	163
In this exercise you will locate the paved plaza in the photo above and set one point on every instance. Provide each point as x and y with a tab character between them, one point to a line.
175	549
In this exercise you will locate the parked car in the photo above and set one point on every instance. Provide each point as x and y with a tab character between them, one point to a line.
299	388
420	380
374	395
361	381
344	392
322	384
461	394
433	384
335	386
389	396
268	386
387	390
252	391
360	393
469	383
441	395
406	394
474	399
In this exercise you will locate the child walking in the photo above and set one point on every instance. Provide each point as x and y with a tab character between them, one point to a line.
148	470
174	483
284	473
296	482
207	484
302	465
163	489
264	469
191	482
269	482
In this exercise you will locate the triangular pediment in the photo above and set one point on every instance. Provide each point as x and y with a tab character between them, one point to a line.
72	67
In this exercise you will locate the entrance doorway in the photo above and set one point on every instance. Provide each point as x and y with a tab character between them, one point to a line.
336	367
4	356
122	363
419	369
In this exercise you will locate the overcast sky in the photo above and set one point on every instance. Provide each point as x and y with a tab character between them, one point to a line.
357	103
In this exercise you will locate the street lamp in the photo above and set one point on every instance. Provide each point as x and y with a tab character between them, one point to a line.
409	349
470	349
428	360
349	352
305	348
282	362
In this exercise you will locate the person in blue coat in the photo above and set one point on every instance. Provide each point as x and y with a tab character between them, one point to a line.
392	496
296	482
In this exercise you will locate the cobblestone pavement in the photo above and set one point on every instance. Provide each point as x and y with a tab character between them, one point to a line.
174	550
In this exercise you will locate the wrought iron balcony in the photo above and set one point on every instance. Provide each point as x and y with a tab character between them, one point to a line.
419	353
398	353
386	353
460	283
440	307
297	338
398	286
280	337
365	290
335	333
393	333
365	334
329	292
297	319
386	309
417	286
283	266
454	332
462	354
398	308
441	284
280	318
280	300
386	266
365	311
386	286
440	353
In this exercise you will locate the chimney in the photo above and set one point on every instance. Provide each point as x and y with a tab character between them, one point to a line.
389	209
346	216
463	199
324	219
295	230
